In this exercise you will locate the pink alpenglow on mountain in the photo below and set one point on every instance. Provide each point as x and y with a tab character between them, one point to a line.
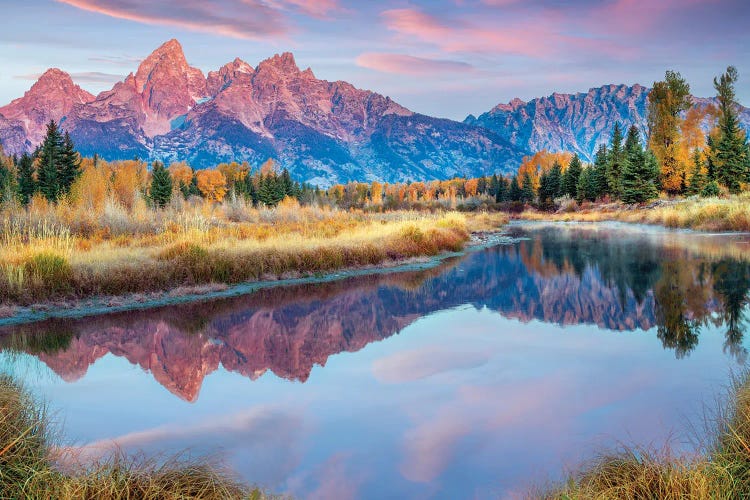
324	132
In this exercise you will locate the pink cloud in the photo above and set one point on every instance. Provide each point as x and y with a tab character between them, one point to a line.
416	364
402	64
537	37
633	17
317	8
245	19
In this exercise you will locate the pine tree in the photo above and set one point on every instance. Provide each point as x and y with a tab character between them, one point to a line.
70	165
501	194
639	172
615	160
250	190
599	174
570	178
161	185
555	180
50	163
527	189
482	185
545	196
26	183
585	189
494	186
731	151
697	178
514	192
286	184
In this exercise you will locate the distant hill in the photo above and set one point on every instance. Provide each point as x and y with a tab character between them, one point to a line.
574	122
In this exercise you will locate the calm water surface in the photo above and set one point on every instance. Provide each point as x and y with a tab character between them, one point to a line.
477	379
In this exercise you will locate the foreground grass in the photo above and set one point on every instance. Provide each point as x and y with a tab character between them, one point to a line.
46	257
31	466
722	472
704	214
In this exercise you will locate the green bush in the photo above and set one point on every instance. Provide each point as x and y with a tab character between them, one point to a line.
50	271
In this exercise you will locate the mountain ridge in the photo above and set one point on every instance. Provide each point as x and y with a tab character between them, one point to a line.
576	122
324	132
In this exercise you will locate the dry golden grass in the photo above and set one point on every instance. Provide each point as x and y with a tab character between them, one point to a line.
722	473
704	214
47	255
31	467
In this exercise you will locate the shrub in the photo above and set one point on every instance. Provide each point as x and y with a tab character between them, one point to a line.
50	271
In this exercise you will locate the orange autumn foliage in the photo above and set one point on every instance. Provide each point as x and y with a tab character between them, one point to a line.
181	173
212	184
542	162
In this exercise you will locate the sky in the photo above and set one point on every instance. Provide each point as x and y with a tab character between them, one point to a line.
445	58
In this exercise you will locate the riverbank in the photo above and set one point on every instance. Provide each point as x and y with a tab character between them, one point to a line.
34	464
721	472
701	214
68	276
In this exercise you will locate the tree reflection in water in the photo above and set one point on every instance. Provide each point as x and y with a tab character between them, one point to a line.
615	280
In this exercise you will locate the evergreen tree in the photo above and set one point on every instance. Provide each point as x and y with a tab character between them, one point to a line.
501	194
711	189
731	152
494	186
70	165
710	163
26	183
268	190
585	189
545	196
50	163
599	174
555	180
514	192
615	160
570	178
527	190
482	185
286	184
161	185
639	172
549	186
250	190
697	178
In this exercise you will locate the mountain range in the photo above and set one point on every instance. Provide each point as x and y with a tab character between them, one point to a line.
323	132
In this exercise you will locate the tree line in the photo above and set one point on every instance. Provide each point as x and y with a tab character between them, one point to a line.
676	158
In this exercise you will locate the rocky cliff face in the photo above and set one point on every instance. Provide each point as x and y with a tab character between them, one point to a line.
574	122
52	97
324	132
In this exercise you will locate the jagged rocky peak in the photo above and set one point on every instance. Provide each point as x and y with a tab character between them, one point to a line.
219	80
283	63
52	97
55	86
169	87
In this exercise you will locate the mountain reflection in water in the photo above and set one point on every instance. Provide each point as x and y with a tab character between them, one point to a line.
620	280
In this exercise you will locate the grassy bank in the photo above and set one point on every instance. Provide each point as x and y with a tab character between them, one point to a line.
32	465
721	472
703	214
52	255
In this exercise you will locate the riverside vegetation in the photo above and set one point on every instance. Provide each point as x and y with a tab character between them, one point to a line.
722	471
33	464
